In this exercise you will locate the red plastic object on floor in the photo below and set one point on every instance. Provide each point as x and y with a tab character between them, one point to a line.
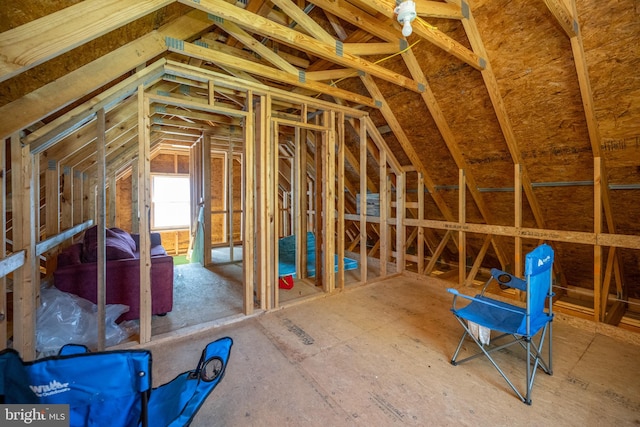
285	282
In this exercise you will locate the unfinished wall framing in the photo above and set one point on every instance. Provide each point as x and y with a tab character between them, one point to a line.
313	133
495	126
603	303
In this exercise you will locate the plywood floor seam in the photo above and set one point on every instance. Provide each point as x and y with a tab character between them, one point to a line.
379	354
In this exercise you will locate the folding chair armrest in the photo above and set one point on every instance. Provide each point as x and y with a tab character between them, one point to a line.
456	294
508	279
485	301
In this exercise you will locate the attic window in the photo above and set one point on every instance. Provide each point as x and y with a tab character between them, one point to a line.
170	202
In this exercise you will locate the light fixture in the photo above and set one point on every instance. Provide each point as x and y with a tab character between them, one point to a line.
406	11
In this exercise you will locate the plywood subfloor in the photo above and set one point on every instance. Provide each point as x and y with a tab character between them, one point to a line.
378	355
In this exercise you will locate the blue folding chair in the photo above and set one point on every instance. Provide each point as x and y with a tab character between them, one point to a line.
521	324
112	388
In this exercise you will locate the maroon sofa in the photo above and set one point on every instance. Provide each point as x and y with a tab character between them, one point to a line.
76	272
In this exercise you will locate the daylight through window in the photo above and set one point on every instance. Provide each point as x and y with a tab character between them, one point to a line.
170	196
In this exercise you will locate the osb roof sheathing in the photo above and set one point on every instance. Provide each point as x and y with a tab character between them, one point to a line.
535	70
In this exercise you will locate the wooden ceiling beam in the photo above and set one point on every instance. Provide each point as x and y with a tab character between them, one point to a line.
446	43
40	40
113	140
195	115
391	33
295	39
352	14
250	42
432	105
125	156
502	115
213	43
303	20
50	98
236	73
434	9
564	17
86	157
341	73
121	157
86	134
180	83
385	7
206	54
182	135
358	36
178	139
363	49
337	26
226	132
582	71
173	126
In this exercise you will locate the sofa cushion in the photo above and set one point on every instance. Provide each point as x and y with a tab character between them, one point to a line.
122	235
71	255
118	244
156	240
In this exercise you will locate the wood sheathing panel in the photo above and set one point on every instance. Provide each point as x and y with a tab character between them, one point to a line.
32	79
535	71
610	32
534	66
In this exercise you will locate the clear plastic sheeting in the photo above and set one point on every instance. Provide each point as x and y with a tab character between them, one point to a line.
64	318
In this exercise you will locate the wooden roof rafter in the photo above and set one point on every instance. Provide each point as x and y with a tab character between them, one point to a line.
116	121
418	75
58	94
452	144
295	39
113	140
283	98
113	153
186	114
568	21
258	48
400	134
428	32
38	41
266	72
501	113
301	18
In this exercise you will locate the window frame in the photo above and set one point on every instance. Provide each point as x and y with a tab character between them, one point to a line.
152	218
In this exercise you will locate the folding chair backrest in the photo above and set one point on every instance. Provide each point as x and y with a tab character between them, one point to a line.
106	388
14	384
538	271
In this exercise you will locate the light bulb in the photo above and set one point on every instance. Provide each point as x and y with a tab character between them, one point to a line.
406	12
406	28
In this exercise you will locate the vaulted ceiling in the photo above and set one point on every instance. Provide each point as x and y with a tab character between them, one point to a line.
481	86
